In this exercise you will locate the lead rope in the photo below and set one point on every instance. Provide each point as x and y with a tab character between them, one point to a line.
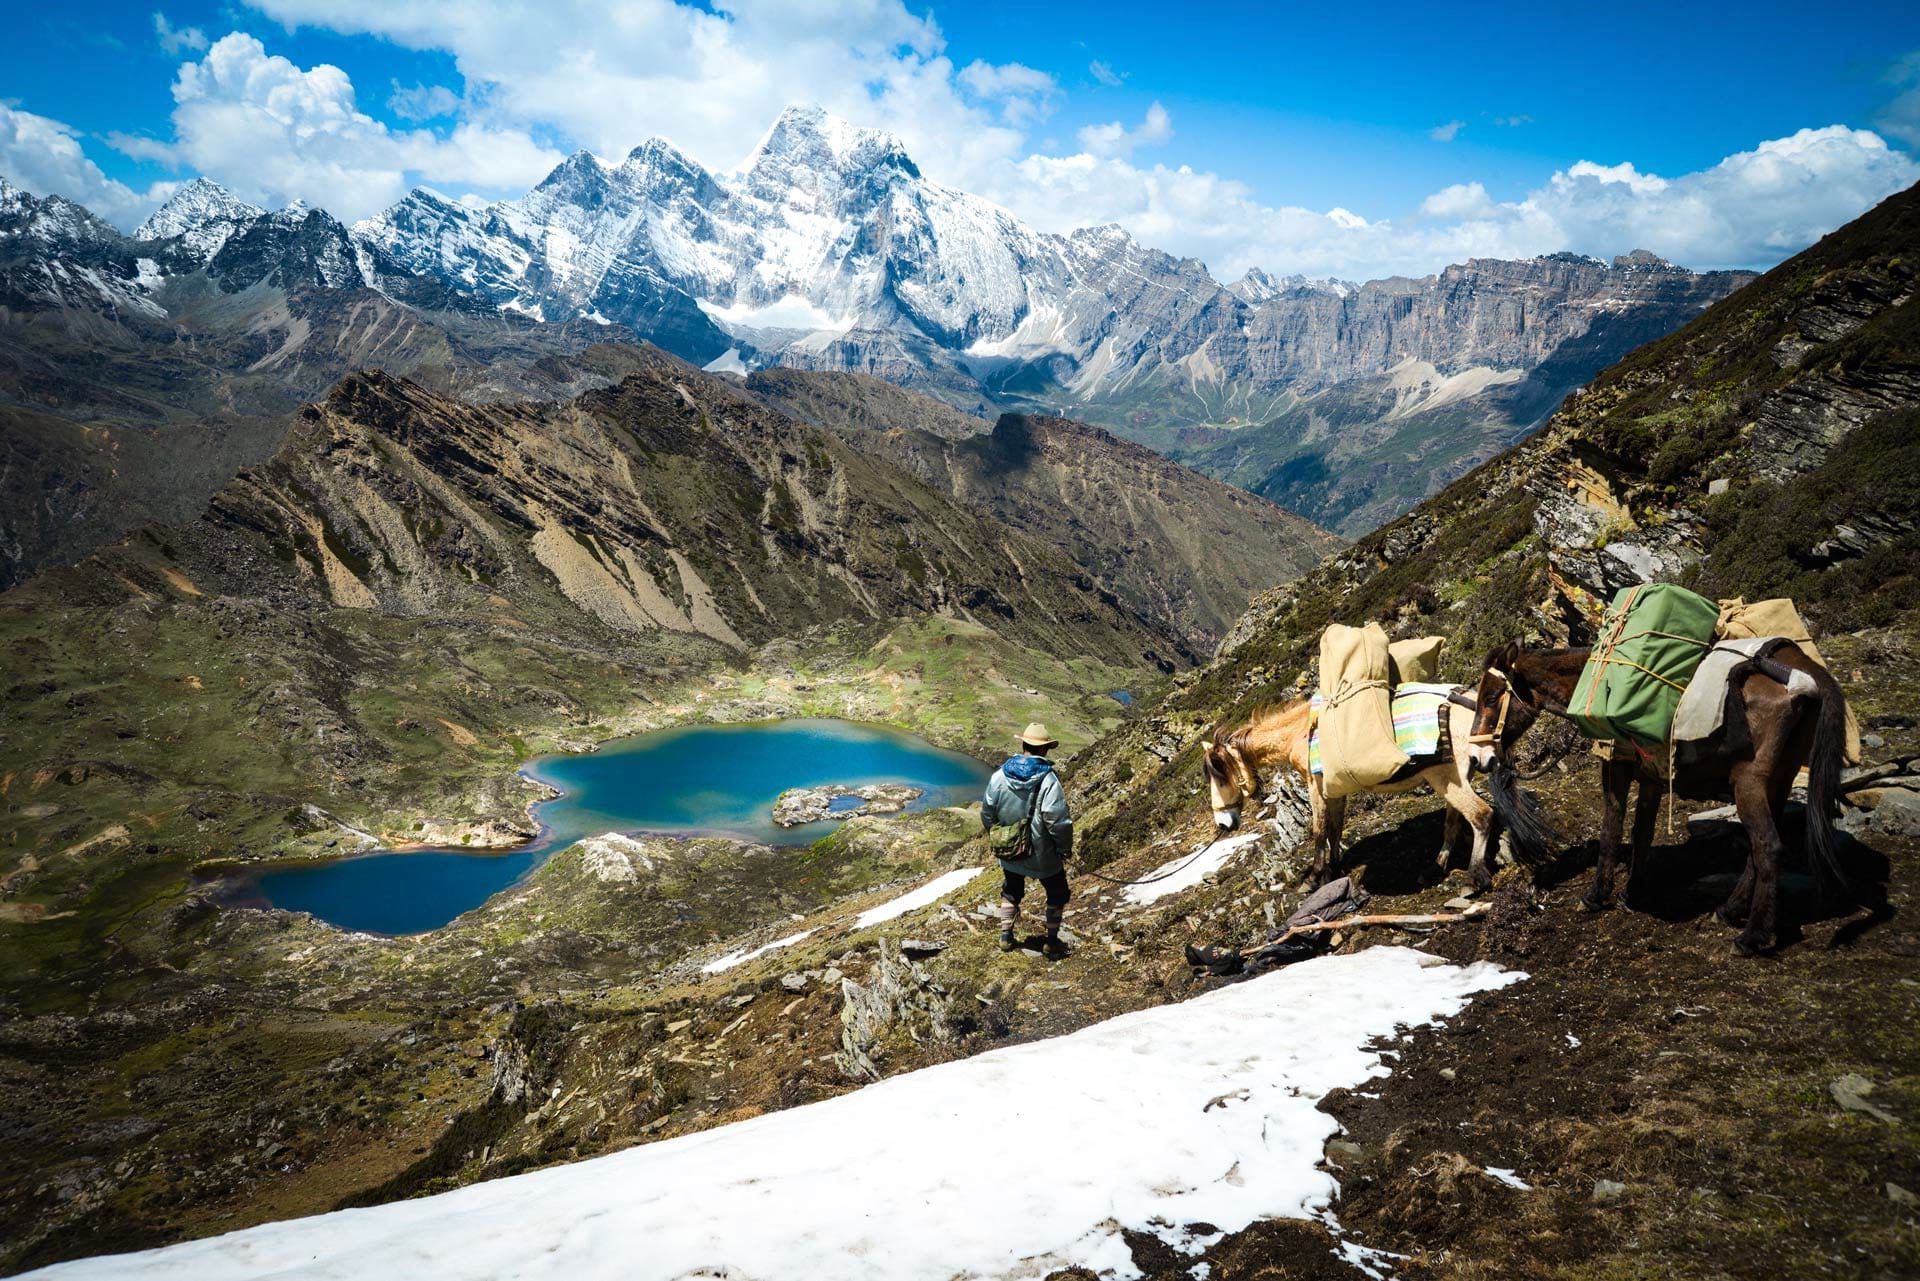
1149	880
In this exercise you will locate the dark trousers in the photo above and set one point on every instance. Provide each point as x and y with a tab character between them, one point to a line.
1013	888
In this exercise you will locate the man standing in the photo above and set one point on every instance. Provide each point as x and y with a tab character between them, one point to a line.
1031	832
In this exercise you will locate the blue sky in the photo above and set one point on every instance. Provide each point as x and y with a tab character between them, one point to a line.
1243	134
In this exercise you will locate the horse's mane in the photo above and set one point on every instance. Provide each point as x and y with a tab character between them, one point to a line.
1263	723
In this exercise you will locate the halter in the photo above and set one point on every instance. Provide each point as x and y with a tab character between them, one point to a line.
1500	716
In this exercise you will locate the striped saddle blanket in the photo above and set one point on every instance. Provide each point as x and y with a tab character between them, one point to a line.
1418	713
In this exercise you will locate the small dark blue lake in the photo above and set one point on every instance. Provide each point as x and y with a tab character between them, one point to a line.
699	780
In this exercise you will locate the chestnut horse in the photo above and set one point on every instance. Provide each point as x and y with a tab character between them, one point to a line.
1782	714
1235	761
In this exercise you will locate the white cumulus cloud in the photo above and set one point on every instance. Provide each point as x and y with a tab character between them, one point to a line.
1115	139
44	156
1750	210
1024	94
275	132
1461	200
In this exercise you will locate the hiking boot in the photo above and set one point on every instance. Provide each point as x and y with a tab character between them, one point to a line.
1007	941
1053	949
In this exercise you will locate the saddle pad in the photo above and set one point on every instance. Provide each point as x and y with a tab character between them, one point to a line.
1417	710
1703	706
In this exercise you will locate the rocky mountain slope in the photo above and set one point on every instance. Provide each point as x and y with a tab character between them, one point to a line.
668	502
1173	544
137	375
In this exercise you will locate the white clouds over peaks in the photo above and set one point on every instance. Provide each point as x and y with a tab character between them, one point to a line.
1461	200
44	157
1749	210
274	132
536	80
607	78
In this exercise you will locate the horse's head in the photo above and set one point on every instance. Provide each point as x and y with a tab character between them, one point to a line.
1231	781
1506	705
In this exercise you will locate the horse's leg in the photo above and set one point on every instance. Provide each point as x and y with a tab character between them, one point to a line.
1616	778
1450	836
1751	796
1646	818
1317	804
1739	905
1479	816
1336	826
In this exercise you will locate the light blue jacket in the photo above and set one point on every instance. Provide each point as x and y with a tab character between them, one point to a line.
1012	788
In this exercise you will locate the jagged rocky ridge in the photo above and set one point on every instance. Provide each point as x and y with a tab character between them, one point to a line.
828	249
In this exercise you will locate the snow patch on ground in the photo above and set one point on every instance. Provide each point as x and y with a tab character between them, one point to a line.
938	888
1202	1111
1507	1177
732	959
728	362
788	312
1207	859
1372	1262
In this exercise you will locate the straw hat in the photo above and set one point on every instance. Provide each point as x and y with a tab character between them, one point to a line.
1035	735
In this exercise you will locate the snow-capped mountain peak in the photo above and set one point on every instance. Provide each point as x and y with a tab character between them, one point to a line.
194	206
810	137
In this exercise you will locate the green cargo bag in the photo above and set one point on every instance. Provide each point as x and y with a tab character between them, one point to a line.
1650	641
1014	841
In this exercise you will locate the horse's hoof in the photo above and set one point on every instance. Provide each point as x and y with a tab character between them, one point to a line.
1749	945
1592	904
1480	880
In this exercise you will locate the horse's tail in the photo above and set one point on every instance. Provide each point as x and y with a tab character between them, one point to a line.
1823	786
1534	837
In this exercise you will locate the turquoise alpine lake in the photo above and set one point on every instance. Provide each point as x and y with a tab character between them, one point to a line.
700	780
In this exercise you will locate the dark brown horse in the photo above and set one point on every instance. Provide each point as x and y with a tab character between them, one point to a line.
1780	717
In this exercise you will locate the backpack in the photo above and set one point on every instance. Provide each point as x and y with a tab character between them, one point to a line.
1014	841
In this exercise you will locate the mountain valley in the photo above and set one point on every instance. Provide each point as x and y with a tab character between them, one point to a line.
313	536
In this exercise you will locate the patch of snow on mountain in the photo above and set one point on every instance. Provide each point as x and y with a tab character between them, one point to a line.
790	311
932	892
1201	1112
1189	869
732	959
727	362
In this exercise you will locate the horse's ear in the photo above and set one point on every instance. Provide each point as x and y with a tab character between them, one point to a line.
1504	657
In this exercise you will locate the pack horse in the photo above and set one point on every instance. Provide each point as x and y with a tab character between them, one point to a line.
1783	711
1237	761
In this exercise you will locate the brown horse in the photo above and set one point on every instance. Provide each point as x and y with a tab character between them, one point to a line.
1781	716
1235	761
